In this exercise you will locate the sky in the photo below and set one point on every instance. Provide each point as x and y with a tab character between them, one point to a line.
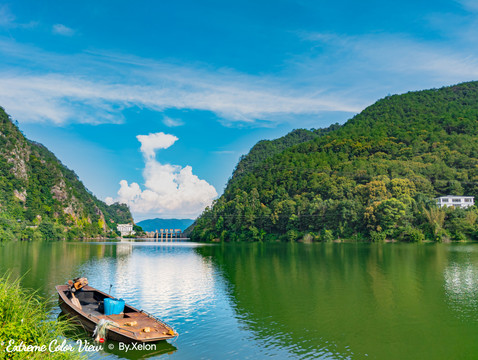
152	103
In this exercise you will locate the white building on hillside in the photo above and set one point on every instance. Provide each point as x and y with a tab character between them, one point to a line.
125	229
455	201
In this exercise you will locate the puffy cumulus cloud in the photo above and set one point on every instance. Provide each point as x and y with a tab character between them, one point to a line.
170	190
152	142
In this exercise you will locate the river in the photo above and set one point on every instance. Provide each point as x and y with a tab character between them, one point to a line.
299	301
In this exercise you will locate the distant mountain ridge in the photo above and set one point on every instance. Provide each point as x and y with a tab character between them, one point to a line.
373	178
40	198
157	224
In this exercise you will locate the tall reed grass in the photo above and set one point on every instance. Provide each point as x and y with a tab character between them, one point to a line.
24	318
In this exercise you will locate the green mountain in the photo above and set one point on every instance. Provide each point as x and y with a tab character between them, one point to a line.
156	224
266	149
373	178
41	198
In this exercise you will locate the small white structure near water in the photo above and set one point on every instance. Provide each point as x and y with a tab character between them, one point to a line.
125	229
455	201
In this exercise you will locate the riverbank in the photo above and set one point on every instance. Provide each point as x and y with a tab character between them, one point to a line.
25	325
360	240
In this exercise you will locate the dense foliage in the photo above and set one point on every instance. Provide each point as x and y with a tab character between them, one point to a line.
265	149
42	199
374	178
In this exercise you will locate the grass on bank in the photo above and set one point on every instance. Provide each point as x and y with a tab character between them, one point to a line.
24	317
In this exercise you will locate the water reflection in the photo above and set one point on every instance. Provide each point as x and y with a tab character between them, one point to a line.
250	301
155	278
124	249
348	300
42	265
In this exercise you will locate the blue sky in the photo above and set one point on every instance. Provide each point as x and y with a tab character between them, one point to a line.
201	82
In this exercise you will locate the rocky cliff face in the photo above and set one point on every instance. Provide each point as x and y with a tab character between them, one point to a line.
36	188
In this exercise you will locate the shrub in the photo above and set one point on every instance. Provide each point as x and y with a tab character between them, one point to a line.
376	236
326	235
411	234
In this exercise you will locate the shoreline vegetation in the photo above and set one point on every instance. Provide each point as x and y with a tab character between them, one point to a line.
447	225
25	319
44	230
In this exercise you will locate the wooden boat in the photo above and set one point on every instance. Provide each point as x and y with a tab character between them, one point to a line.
133	325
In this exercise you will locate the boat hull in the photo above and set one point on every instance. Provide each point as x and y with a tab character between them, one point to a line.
89	321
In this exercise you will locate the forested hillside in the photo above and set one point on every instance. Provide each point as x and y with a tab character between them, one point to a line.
374	178
266	149
42	199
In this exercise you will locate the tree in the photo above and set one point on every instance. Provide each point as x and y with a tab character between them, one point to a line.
436	218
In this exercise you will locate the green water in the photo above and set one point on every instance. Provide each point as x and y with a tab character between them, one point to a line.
330	301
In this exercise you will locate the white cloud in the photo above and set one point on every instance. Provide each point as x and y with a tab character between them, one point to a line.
391	62
170	190
57	99
169	122
152	142
63	30
356	71
61	99
118	82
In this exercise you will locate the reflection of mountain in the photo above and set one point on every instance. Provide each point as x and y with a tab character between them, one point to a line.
42	265
346	301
